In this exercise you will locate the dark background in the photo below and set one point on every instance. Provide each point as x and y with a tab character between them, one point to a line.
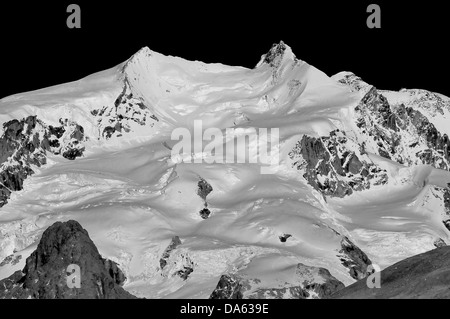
409	51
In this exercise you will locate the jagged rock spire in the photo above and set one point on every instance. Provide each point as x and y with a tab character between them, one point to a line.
45	273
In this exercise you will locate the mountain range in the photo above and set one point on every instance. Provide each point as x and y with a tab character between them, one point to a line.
362	179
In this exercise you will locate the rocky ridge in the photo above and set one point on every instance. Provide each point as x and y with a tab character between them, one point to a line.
335	165
45	273
24	145
179	265
311	283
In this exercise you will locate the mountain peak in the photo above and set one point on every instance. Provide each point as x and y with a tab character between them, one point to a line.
276	54
142	54
45	272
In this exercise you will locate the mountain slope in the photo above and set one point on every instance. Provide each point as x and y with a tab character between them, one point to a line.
425	276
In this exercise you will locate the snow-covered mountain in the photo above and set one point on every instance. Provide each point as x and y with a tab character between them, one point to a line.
363	175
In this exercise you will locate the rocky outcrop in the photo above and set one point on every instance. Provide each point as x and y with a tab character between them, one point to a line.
228	287
313	286
446	196
127	111
204	188
25	144
335	166
174	243
425	276
275	54
355	83
353	258
115	272
380	109
283	238
185	271
445	192
45	273
19	149
204	213
310	283
180	265
438	152
401	133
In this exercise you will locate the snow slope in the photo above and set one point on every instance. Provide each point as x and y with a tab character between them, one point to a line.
133	199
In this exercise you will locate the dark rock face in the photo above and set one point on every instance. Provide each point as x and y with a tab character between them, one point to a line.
173	245
375	119
283	238
425	276
332	168
184	266
275	54
185	272
181	267
115	272
204	213
353	258
115	120
66	139
379	107
204	188
442	196
446	200
17	146
45	272
25	143
228	287
438	154
391	128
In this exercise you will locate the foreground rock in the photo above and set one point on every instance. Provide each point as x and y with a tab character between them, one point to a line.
335	165
229	287
45	276
310	283
425	276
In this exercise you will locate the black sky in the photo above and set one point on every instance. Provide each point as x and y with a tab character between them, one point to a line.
38	50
